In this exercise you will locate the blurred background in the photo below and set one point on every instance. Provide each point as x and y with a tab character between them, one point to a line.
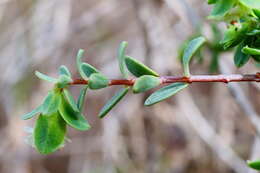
208	128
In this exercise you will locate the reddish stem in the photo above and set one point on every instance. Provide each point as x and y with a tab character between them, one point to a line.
193	78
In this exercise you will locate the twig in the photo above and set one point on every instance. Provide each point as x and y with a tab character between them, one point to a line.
191	79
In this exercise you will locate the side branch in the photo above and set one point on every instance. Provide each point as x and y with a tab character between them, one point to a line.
191	79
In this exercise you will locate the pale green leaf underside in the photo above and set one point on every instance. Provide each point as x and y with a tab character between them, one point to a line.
113	101
145	82
33	113
79	57
189	51
137	68
49	133
70	100
45	77
164	93
51	103
63	70
121	58
97	81
81	98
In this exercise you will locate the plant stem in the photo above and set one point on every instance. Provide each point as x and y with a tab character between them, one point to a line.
191	79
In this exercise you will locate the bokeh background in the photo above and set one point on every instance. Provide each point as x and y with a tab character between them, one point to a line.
206	128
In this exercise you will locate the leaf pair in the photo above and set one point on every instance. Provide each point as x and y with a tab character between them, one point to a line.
71	114
57	110
132	65
96	80
50	105
63	80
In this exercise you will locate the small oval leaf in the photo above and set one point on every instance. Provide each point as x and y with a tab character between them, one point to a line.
45	77
73	118
49	133
31	114
113	101
121	58
164	93
240	58
97	81
79	57
51	103
254	164
257	12
63	70
81	98
251	51
70	100
145	83
221	8
137	68
88	69
189	51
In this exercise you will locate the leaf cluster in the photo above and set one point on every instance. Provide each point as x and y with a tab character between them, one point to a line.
243	27
59	108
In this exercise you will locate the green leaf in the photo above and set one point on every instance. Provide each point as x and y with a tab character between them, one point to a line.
45	77
221	8
113	101
73	118
164	93
81	98
79	57
251	3
121	58
254	164
254	32
31	114
251	51
234	35
51	103
257	12
137	68
212	1
49	133
63	81
70	100
97	81
63	70
88	70
145	83
240	58
189	51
